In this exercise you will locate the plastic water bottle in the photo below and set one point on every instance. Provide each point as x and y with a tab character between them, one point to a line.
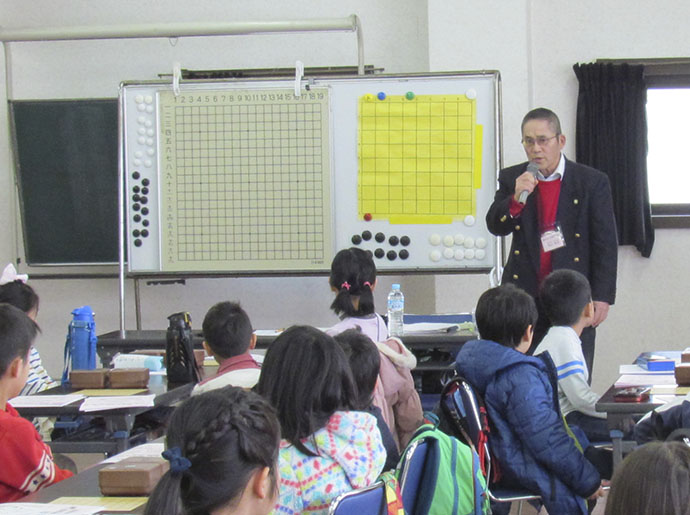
396	310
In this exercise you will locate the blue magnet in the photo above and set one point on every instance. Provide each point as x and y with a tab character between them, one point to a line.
381	96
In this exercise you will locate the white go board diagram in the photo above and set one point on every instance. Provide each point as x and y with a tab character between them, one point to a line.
250	176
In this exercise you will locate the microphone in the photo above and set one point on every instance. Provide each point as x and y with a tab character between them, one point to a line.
533	169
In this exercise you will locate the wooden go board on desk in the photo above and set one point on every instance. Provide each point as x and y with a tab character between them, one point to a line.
249	176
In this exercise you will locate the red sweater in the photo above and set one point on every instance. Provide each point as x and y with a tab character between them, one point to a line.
27	463
547	205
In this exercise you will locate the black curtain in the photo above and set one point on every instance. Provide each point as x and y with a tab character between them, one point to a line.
611	136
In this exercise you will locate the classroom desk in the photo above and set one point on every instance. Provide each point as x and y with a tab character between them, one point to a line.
622	416
119	422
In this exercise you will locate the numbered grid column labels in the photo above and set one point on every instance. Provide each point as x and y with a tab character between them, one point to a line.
249	182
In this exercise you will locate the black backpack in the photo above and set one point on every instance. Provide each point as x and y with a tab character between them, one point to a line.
179	350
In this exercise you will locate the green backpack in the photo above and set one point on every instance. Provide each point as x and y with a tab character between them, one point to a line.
452	481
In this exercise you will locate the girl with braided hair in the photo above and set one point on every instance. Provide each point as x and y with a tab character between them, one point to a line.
353	278
328	447
223	450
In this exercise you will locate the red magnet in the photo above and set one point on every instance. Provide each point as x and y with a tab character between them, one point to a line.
367	217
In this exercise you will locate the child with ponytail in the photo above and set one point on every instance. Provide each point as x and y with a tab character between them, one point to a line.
353	279
223	450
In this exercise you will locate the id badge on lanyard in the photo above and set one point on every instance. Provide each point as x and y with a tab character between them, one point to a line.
552	237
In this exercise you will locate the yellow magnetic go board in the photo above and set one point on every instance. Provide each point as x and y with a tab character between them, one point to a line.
419	158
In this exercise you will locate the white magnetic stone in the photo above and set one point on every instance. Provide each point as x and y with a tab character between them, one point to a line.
141	120
150	132
138	153
137	162
448	253
460	254
148	163
149	109
448	241
480	253
150	151
469	254
469	242
141	140
141	131
148	99
471	93
469	220
480	243
139	99
141	107
149	141
435	239
459	238
148	123
435	255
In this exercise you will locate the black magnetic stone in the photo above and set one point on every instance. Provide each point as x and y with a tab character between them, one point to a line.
380	237
145	182
144	191
136	233
137	243
393	240
145	223
145	233
145	211
379	253
366	235
405	241
135	198
136	189
144	200
136	175
136	207
137	218
392	255
356	239
404	254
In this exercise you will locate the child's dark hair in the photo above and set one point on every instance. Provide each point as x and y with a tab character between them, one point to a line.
227	329
20	295
226	435
17	333
504	313
353	274
365	363
652	480
306	377
564	294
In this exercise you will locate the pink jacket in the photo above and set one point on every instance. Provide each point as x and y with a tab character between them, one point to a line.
395	393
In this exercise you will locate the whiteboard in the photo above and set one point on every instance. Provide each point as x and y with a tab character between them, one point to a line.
252	176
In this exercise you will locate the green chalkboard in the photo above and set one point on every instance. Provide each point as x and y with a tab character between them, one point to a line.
67	171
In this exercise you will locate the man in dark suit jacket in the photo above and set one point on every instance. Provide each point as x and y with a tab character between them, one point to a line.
565	208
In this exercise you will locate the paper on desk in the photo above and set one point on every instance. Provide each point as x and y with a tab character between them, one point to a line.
670	390
108	503
645	380
637	370
110	392
147	450
30	508
268	332
44	401
125	401
437	327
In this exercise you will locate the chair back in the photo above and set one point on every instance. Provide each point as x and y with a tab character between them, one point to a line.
370	500
412	472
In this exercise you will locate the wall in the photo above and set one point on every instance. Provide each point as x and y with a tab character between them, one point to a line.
535	43
395	38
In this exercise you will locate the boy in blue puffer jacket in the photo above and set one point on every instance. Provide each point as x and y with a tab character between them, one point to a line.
528	435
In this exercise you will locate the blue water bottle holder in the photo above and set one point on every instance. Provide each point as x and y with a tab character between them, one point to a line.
80	345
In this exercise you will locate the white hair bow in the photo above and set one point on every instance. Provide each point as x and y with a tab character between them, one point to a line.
9	274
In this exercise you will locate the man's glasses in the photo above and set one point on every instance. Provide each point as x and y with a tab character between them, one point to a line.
541	141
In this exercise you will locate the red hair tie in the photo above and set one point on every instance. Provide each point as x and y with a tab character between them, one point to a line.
345	285
367	283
